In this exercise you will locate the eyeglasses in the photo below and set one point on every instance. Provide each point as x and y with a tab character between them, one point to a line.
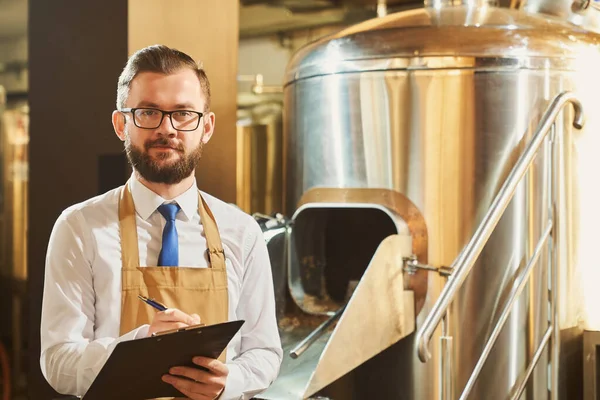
152	118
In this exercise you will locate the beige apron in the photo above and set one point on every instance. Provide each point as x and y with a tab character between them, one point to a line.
202	291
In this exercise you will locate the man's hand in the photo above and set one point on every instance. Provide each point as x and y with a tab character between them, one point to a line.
172	318
199	384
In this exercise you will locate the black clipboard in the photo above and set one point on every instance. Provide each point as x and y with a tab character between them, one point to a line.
134	369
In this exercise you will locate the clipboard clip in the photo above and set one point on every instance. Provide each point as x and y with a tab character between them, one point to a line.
187	328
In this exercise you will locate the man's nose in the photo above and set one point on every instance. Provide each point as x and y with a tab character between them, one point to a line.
166	126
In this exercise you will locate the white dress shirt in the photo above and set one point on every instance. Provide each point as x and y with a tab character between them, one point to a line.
82	290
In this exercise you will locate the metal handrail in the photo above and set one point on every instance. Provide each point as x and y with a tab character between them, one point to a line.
515	292
534	361
463	264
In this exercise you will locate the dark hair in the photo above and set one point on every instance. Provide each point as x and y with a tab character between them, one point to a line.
161	59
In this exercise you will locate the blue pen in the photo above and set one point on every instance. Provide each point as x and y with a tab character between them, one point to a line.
152	303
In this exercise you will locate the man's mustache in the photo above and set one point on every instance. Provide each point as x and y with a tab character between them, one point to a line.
162	142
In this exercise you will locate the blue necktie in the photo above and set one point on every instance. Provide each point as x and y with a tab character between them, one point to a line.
169	254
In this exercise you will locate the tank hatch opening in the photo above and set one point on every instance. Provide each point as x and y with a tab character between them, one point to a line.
331	245
346	276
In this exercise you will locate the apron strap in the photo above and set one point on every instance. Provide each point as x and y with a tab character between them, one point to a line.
128	230
216	254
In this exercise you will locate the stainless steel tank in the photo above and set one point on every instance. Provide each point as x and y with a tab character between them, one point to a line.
275	230
434	106
259	152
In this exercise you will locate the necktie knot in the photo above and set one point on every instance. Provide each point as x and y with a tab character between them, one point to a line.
169	211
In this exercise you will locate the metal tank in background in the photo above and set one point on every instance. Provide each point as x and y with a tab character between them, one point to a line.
412	123
582	13
260	193
259	147
275	230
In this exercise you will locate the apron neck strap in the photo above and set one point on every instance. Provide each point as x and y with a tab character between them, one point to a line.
128	230
129	240
216	254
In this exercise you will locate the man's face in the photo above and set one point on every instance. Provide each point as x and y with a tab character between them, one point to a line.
164	155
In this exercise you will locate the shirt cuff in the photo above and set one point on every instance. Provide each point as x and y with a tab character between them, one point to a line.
234	385
139	333
98	352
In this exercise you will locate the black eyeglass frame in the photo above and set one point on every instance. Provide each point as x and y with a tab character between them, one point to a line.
169	113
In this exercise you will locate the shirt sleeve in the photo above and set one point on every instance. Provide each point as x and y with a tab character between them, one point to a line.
260	356
70	357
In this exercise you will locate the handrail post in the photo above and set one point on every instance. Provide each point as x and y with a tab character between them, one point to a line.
521	281
552	333
556	158
446	362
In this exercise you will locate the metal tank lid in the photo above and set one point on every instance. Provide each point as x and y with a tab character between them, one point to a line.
463	36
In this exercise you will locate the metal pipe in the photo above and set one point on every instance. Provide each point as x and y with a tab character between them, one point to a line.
536	358
446	362
556	188
463	264
468	3
411	265
314	335
515	292
382	8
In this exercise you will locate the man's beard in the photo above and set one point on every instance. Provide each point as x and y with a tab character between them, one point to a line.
152	171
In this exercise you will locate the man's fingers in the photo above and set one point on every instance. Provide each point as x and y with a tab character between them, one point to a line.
193	396
167	326
196	318
191	389
172	318
197	383
214	366
195	374
175	315
160	326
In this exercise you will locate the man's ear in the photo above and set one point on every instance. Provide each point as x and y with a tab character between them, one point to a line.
118	120
209	127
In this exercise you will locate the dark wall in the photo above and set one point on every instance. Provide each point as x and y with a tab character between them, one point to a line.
76	52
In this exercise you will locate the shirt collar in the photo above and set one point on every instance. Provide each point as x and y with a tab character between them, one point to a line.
146	201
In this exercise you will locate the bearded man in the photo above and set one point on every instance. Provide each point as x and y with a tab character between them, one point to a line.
158	236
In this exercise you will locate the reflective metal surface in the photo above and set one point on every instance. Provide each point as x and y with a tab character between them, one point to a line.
438	104
319	284
259	153
294	325
460	37
462	265
583	13
303	314
379	313
321	226
275	231
295	373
